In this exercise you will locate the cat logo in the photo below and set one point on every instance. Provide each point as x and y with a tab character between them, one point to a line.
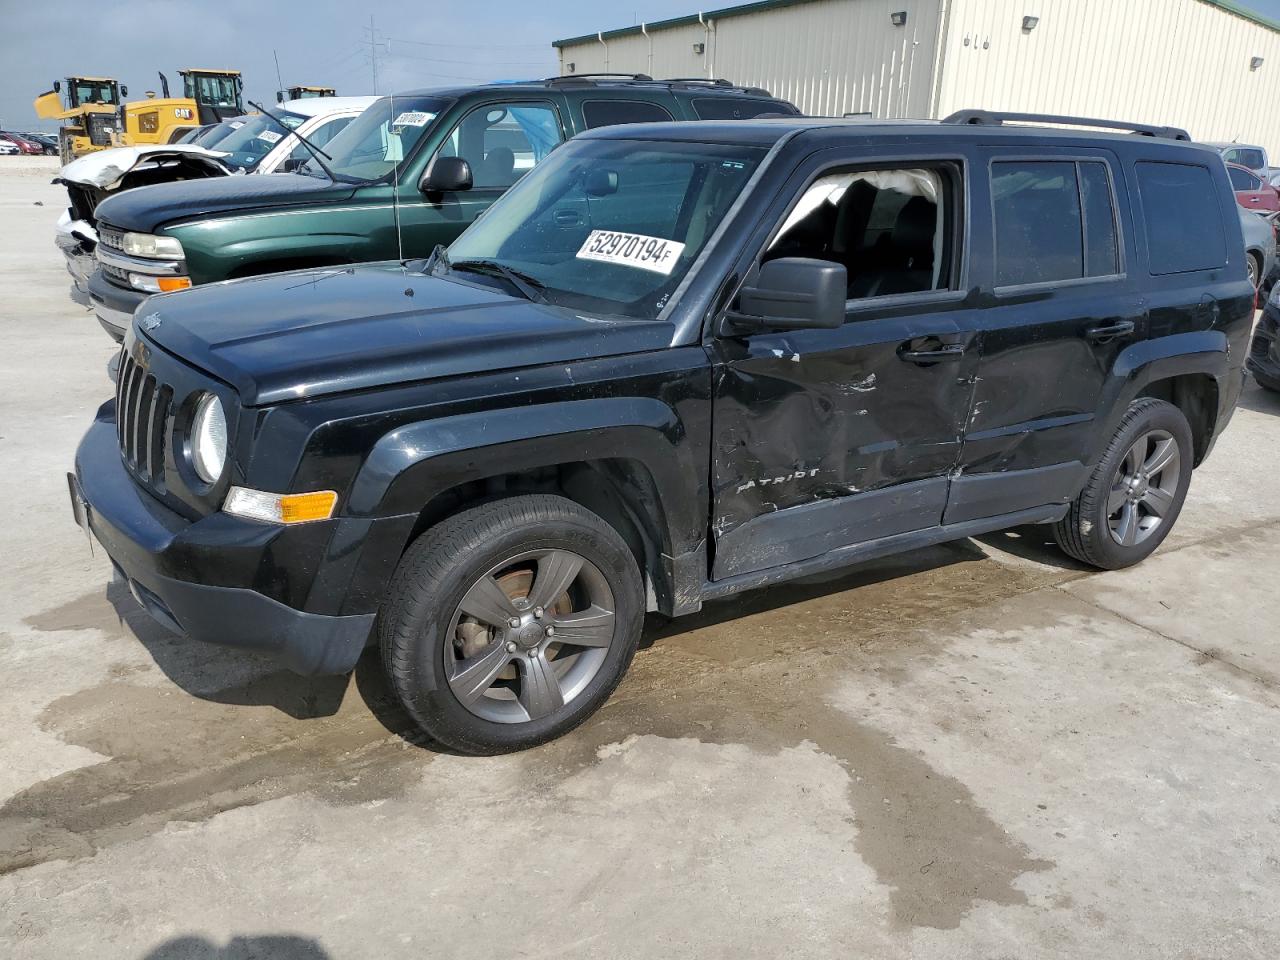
182	113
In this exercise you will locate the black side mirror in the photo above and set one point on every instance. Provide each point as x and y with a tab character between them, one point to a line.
600	183
279	96
445	175
124	92
793	293
57	86
292	164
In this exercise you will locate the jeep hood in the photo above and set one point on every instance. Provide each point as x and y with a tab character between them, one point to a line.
300	335
146	209
105	168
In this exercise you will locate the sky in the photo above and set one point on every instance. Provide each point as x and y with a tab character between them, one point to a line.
318	41
321	42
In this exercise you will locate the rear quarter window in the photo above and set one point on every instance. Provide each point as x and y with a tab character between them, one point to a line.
738	108
1182	217
608	113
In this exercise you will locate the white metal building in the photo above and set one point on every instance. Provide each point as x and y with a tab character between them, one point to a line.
1207	65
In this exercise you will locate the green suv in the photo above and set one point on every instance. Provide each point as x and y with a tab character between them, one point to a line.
411	172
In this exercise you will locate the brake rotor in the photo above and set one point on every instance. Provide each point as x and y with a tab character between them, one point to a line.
474	637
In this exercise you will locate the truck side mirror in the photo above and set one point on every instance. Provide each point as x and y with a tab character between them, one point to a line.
57	86
600	183
279	96
793	293
446	174
124	92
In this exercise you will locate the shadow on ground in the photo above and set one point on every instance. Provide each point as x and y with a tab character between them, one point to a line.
282	947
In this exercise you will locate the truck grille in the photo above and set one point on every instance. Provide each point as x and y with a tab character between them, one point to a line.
143	418
110	237
101	126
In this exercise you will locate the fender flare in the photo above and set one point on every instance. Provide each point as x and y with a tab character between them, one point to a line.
1201	352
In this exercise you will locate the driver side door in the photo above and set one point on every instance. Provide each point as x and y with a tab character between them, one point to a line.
828	438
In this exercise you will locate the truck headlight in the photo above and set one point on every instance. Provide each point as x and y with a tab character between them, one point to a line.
148	245
209	438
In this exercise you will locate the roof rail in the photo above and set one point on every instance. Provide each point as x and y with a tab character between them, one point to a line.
571	77
718	82
996	118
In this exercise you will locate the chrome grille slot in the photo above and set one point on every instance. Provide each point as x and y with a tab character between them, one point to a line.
143	406
110	237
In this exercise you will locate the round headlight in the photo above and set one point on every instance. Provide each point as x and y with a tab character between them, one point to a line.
209	438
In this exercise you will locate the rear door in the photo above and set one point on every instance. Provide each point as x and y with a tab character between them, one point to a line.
828	438
1063	307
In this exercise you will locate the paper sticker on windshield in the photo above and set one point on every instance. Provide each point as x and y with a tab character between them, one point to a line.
412	119
632	249
270	136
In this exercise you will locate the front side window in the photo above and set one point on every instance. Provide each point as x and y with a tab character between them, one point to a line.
378	141
889	228
254	139
610	226
607	113
319	137
212	91
503	141
1054	221
1243	179
1246	156
1182	217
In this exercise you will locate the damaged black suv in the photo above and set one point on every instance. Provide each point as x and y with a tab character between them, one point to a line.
675	362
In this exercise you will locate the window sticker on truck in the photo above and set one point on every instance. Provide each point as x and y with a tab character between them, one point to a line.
631	249
413	119
270	136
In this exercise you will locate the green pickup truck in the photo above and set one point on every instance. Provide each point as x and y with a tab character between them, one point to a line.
409	173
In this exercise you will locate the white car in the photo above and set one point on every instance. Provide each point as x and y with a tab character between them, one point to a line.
8	147
257	145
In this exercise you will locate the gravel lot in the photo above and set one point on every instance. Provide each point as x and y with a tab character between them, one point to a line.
978	750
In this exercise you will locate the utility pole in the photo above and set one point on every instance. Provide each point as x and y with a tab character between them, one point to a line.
278	80
373	54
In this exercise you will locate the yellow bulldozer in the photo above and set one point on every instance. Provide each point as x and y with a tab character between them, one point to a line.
88	107
94	118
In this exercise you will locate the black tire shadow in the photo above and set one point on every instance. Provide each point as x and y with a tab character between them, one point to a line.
1034	542
277	947
200	669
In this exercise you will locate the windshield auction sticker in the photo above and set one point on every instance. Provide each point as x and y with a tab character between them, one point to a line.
270	136
632	249
412	119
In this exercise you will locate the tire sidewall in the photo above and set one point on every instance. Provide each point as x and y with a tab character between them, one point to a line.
432	701
1159	416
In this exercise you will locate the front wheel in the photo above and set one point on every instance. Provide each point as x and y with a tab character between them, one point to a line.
1136	491
510	623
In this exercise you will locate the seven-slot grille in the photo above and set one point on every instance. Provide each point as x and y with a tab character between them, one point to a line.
110	237
142	419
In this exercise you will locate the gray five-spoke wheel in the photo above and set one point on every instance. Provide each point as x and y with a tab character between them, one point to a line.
529	635
1144	488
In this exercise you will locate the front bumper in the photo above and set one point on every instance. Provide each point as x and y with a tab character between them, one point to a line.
79	259
168	561
1263	360
113	305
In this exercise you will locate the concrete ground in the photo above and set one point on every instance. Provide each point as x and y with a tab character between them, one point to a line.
978	750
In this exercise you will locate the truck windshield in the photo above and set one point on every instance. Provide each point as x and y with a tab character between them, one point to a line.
608	225
212	91
92	91
254	138
377	142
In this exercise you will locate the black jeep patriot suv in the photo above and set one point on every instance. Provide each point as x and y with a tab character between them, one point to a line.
675	362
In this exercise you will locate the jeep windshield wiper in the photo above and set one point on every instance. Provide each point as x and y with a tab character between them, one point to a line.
530	287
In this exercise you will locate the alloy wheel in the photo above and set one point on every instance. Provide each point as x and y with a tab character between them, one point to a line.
529	636
1144	488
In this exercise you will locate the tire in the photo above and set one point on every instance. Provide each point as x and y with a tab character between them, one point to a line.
1255	269
1094	531
438	655
1266	383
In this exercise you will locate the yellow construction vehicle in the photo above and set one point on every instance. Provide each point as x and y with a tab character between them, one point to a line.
209	96
88	108
304	93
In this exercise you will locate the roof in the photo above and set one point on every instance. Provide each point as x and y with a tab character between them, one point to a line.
93	79
768	132
230	73
588	81
742	9
322	106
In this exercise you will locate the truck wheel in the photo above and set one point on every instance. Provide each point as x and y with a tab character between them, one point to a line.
1136	491
510	623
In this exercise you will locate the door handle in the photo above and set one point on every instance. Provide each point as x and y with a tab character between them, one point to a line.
1106	332
942	354
567	218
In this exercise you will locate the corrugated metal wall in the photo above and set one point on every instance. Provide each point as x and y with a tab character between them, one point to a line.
827	57
1180	62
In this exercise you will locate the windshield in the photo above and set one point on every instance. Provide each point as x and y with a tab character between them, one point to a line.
218	132
254	139
89	91
610	225
378	140
212	91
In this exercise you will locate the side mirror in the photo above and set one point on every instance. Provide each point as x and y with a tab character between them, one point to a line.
57	86
292	164
445	175
279	96
793	293
600	183
124	92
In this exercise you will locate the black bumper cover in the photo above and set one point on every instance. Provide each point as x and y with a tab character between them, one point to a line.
145	540
1264	348
113	305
